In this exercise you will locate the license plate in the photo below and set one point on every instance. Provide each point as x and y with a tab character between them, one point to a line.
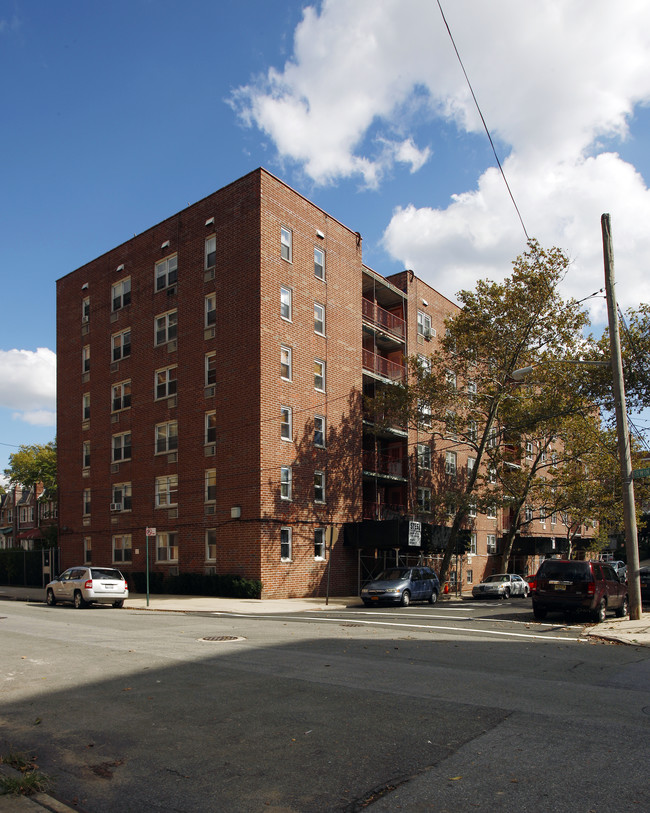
375	598
109	586
560	586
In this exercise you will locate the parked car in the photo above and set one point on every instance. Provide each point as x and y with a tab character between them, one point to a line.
501	585
644	576
83	586
532	583
402	585
567	585
620	568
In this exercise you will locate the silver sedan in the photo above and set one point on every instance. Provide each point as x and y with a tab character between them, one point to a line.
501	585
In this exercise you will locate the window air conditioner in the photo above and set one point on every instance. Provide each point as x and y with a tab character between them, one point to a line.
116	506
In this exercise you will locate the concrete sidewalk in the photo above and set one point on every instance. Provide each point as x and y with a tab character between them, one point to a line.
619	630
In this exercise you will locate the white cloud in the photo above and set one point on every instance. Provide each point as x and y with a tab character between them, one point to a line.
554	79
28	385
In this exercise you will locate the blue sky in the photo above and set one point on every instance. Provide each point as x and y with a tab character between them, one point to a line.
116	115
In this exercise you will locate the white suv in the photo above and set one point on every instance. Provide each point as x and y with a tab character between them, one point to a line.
88	585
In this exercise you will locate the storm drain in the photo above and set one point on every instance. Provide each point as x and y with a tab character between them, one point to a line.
222	639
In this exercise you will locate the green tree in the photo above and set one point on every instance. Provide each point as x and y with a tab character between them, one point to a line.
33	464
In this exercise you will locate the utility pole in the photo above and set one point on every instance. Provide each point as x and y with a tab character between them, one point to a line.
625	458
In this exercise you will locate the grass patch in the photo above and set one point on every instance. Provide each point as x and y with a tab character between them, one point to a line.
27	778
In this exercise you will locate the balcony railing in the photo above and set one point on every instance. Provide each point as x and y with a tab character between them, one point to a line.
384	464
375	510
383	367
383	318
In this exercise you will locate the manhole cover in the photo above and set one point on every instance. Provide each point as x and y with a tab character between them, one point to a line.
222	639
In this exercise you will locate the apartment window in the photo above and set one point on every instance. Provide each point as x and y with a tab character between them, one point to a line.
210	310
285	482
211	544
424	456
121	294
319	319
492	475
319	263
319	486
210	427
425	363
471	390
167	546
471	510
121	493
450	463
165	382
210	485
210	252
121	345
285	362
472	432
286	241
285	544
285	423
120	396
86	454
529	450
85	406
472	543
492	439
424	325
491	511
319	431
470	577
450	378
166	437
286	306
122	551
471	464
319	544
166	490
424	411
528	514
491	543
85	359
451	426
451	509
121	447
85	309
319	375
210	369
424	499
554	518
88	549
166	272
166	327
86	501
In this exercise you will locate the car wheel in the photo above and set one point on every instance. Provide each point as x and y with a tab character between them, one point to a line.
79	602
600	613
539	612
433	597
118	604
624	609
506	593
526	591
50	598
406	599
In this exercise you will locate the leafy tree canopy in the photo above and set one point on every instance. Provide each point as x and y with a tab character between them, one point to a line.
33	464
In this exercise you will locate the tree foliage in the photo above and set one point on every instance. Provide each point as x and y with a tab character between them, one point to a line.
33	464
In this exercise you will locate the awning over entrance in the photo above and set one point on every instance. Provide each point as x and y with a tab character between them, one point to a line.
390	534
32	533
539	545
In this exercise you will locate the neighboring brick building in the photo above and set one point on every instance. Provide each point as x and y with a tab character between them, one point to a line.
210	381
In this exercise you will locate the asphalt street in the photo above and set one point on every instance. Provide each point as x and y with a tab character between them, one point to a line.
454	707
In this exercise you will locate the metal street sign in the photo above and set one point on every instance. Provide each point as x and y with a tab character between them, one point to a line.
415	534
639	474
150	532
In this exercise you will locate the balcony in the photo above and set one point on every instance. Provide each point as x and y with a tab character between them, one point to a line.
385	465
375	510
374	363
383	319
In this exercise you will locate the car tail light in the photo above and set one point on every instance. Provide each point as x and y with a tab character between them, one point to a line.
591	588
88	585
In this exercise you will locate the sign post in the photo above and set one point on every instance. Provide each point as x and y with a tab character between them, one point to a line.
149	532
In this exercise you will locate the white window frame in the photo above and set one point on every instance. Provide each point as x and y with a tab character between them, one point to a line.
424	456
122	495
319	319
320	429
166	437
472	432
86	501
320	545
166	490
121	395
122	544
167	546
286	244
424	325
210	485
211	368
491	543
210	310
451	463
320	381
286	361
85	309
210	255
285	483
121	345
286	423
165	384
471	509
530	450
166	272
471	463
165	327
286	544
121	294
85	406
85	358
121	447
319	487
210	427
85	454
88	549
210	544
491	511
286	303
473	543
424	500
319	263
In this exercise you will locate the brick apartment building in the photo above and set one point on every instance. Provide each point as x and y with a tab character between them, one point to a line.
211	374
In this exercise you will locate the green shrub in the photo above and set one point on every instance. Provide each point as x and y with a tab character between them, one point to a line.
196	584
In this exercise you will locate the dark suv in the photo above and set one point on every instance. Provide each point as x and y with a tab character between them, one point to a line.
566	585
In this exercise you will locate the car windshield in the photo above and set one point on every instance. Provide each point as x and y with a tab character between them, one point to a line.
393	575
102	573
499	578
